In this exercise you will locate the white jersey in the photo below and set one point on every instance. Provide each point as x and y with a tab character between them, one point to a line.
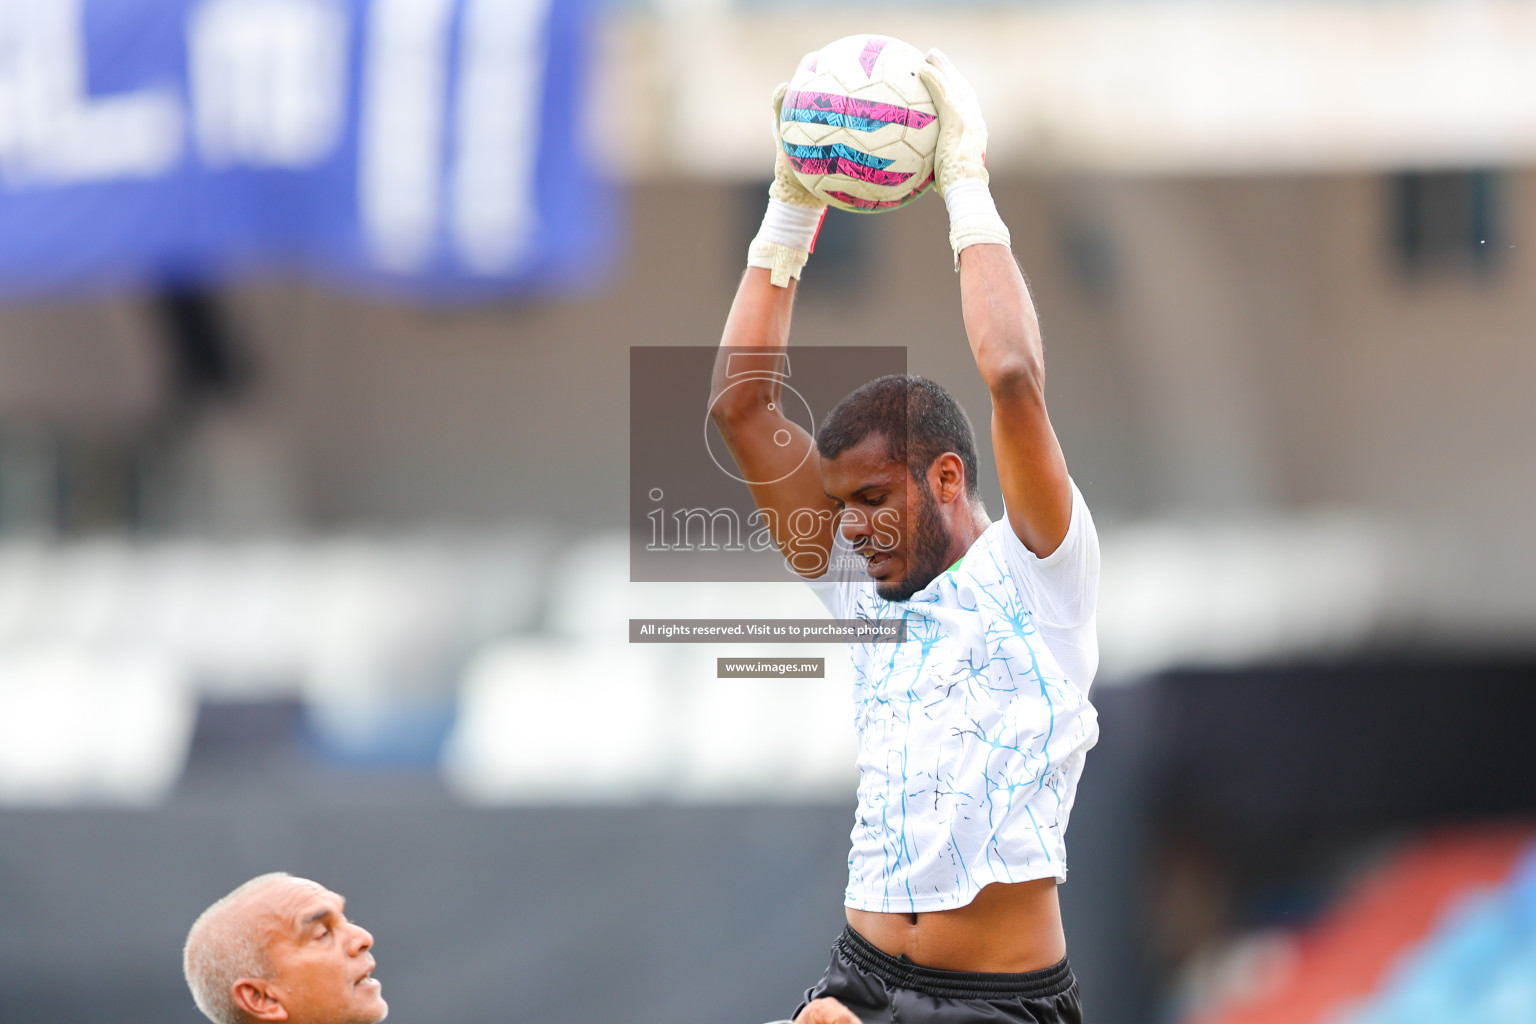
972	733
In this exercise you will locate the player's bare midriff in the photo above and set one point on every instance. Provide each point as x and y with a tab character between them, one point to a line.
1006	929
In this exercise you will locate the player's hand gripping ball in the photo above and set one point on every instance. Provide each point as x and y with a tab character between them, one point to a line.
857	125
962	144
787	187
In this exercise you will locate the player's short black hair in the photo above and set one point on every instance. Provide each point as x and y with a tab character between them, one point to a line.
920	421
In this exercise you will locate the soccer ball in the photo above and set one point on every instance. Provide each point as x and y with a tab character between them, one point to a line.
859	126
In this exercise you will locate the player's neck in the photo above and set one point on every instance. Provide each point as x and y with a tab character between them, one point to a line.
974	525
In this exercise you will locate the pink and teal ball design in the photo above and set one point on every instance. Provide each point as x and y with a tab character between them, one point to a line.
858	125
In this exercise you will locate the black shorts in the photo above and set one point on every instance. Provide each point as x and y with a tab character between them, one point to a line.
883	989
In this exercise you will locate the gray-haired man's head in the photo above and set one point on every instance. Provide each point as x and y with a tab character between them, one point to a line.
280	948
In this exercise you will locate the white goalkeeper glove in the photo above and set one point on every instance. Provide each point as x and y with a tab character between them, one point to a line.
960	161
788	234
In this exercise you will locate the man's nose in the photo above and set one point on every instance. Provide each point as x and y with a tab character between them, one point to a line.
854	525
362	939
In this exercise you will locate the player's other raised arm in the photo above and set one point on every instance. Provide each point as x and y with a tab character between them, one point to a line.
1000	320
769	448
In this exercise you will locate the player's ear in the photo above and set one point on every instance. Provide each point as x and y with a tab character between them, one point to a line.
946	477
259	999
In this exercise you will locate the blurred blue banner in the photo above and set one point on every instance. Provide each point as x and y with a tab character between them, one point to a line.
431	147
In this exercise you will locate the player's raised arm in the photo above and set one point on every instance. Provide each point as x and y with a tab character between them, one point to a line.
1000	319
770	449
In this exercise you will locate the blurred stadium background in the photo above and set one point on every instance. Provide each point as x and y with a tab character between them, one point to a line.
314	331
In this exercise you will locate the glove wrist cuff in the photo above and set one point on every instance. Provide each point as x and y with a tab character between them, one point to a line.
792	225
973	216
785	240
781	262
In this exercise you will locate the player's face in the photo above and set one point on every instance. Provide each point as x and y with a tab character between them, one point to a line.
322	962
891	520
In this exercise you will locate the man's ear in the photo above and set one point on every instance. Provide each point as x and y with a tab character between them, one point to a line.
259	999
947	476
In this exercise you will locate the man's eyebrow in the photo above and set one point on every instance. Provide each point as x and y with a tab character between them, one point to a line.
318	915
862	490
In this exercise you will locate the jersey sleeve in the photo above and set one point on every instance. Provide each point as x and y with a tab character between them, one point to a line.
837	588
1063	587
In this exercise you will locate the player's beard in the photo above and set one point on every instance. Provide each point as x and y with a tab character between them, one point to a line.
926	550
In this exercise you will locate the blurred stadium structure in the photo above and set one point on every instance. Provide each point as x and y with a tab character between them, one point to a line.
307	562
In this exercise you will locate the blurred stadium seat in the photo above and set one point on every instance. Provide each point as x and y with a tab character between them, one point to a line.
1236	591
371	633
556	721
1444	930
559	722
799	746
88	728
1478	966
671	729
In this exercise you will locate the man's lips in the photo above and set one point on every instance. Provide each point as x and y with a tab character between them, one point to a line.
367	979
876	562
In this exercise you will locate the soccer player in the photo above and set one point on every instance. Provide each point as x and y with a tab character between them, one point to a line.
972	732
280	948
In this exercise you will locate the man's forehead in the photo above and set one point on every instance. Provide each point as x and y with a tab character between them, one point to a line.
867	463
872	447
297	900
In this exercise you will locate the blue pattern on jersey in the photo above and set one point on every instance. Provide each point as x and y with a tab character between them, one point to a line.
970	742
